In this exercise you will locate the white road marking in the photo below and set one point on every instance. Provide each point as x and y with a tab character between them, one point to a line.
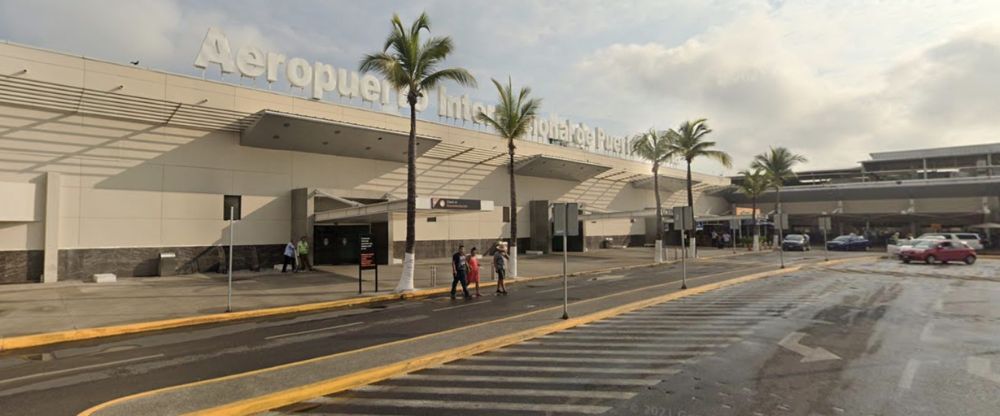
673	353
906	379
547	369
85	367
467	405
691	319
619	395
292	334
543	380
557	344
686	338
669	325
979	366
809	354
555	289
693	331
602	360
461	306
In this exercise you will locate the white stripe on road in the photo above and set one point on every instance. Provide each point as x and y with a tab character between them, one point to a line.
910	371
686	338
460	306
292	334
85	367
619	395
693	331
543	380
547	369
555	289
467	405
667	325
601	360
692	319
673	353
557	344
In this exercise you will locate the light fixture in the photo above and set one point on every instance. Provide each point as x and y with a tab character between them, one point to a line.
336	132
368	148
287	124
276	137
325	143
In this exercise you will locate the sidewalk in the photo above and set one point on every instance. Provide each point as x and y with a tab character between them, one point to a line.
42	308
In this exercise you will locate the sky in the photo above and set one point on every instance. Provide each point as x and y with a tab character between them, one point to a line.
831	80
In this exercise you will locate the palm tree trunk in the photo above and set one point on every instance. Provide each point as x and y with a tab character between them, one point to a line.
406	279
512	252
659	214
756	227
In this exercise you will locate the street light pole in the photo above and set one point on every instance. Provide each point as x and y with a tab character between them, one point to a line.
229	292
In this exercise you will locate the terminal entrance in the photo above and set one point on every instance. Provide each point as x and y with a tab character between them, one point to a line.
340	244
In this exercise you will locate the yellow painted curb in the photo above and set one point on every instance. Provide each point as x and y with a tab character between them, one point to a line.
37	340
291	396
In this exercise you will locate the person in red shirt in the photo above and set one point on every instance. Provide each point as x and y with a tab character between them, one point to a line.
473	263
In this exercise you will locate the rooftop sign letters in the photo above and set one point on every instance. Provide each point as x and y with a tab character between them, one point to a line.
319	78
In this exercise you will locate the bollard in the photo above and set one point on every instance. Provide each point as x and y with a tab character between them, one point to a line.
434	276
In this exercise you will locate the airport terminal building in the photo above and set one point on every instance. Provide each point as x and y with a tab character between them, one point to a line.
909	192
104	167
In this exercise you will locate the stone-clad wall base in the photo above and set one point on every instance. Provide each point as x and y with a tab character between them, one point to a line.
443	248
24	266
77	264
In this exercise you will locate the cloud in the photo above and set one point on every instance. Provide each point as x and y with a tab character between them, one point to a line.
758	89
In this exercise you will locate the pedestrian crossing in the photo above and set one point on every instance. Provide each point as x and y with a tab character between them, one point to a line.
588	369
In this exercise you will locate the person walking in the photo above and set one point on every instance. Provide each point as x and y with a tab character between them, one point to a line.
303	250
459	271
473	263
289	257
500	265
715	239
727	239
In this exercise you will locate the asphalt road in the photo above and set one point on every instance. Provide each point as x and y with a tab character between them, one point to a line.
68	378
835	341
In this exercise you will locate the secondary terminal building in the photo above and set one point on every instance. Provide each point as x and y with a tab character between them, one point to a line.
909	192
105	167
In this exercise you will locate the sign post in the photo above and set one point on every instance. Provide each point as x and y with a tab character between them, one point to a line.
684	221
367	259
565	224
781	221
734	224
825	225
229	269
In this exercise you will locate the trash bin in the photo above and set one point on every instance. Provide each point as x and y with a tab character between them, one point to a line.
168	264
607	243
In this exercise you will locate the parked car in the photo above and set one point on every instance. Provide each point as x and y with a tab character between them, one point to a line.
972	239
795	242
932	251
848	243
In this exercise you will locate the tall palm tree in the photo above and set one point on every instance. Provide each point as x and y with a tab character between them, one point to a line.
754	183
655	147
511	120
688	142
412	66
777	164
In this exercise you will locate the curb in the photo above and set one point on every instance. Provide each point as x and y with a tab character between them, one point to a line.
37	340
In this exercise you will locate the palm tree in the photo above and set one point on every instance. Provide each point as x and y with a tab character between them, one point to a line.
777	165
688	142
513	116
754	183
655	147
412	66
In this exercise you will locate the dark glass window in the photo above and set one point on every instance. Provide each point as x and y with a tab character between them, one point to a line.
234	204
506	214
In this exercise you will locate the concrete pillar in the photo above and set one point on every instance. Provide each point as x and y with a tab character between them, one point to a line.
303	218
50	271
539	225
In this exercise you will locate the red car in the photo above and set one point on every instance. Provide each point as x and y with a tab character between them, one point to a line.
931	251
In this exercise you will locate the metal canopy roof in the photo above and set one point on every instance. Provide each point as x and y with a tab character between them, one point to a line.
976	149
283	131
545	166
667	183
919	188
380	211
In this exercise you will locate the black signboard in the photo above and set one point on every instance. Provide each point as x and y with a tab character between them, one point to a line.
451	203
366	260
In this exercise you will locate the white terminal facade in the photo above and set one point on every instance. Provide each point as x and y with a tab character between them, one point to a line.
104	167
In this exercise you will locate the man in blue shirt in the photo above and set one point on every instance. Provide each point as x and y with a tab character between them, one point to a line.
459	268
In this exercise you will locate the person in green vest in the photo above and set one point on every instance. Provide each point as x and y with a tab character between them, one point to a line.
303	251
